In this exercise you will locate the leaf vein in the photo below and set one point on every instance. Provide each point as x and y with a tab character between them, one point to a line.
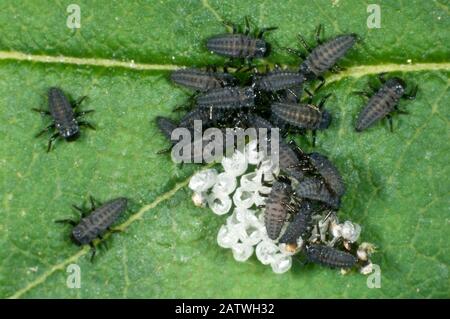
355	71
206	4
165	196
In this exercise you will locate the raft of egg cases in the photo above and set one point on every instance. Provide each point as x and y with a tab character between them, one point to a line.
239	189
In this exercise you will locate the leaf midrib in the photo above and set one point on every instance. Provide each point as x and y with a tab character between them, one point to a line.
354	71
134	217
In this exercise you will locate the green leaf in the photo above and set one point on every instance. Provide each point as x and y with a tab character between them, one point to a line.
397	182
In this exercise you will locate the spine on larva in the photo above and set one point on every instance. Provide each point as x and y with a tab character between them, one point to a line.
330	257
299	225
325	56
379	105
276	211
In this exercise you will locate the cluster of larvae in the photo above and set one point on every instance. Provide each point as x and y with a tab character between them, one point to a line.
248	98
309	186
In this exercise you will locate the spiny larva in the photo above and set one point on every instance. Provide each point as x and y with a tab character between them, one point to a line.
202	80
276	208
299	226
314	189
303	116
278	79
329	173
240	45
330	257
383	103
227	98
93	225
65	117
323	57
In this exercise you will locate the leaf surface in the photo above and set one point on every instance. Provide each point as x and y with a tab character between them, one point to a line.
398	183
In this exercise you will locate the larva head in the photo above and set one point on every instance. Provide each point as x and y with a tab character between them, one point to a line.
306	71
71	133
262	48
282	186
397	84
78	236
317	156
311	249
